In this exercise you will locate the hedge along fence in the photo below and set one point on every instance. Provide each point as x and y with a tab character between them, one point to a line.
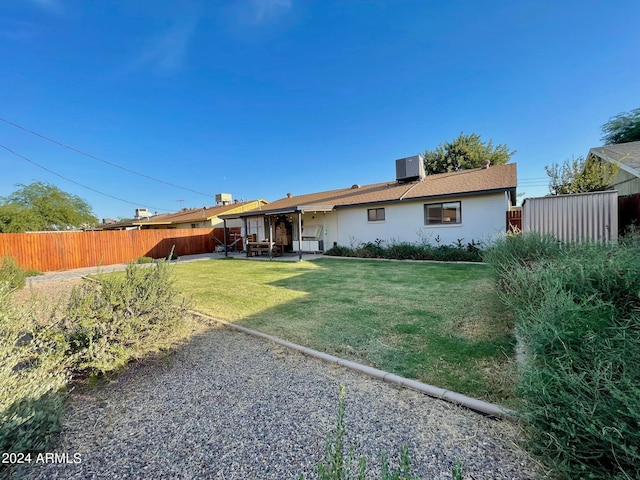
51	251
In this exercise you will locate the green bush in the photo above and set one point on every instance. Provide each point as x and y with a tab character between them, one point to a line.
11	273
107	321
522	249
339	251
577	311
411	251
406	251
103	326
32	380
371	250
142	260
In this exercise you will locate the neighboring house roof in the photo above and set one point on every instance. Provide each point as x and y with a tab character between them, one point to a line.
464	182
204	213
626	155
192	215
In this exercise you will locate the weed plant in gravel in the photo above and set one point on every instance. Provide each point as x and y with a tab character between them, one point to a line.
341	463
577	310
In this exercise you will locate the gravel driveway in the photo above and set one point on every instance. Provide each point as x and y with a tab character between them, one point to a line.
231	406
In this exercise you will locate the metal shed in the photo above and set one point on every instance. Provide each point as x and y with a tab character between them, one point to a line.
575	217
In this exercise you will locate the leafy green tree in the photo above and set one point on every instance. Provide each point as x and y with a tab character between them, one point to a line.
16	218
41	206
623	128
464	152
580	176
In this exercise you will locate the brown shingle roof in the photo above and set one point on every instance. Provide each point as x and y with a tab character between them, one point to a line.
196	214
499	177
185	216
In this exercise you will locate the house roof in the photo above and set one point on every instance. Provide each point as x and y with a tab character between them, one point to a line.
189	215
464	182
626	155
200	214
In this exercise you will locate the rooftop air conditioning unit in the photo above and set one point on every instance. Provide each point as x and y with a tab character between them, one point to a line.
410	168
223	198
142	213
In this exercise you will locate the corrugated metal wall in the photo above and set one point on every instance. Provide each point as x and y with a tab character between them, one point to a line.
573	218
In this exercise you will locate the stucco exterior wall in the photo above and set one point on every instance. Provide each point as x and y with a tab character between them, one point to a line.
311	221
483	219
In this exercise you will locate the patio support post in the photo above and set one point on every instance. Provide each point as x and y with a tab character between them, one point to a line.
224	226
299	236
270	239
246	236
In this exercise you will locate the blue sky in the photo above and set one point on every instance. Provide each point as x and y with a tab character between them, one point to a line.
258	98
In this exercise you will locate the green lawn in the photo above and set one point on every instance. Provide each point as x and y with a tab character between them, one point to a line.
438	323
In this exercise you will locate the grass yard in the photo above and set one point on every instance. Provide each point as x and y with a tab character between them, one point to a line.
435	322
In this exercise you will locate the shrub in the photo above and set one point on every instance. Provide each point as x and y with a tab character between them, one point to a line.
142	260
339	251
371	250
104	325
577	311
11	273
411	251
522	249
406	251
108	321
32	380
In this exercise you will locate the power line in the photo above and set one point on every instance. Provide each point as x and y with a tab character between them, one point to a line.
77	183
101	160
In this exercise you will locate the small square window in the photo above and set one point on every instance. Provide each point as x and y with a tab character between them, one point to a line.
375	214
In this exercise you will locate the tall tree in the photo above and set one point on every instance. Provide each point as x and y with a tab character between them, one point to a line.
580	176
464	152
41	206
623	128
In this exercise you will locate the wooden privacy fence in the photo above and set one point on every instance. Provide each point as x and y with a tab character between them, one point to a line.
628	212
234	239
51	251
514	221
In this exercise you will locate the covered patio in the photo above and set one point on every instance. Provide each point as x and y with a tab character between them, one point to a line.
279	232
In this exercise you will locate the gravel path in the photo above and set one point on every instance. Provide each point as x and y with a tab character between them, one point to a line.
231	406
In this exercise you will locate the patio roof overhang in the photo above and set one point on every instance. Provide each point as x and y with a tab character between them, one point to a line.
279	211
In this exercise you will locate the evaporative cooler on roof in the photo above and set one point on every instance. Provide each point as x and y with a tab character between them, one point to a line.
409	169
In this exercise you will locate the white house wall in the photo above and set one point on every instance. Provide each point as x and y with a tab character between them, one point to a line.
312	220
483	219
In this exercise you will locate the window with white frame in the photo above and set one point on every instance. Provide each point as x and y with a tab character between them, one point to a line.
375	214
443	213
